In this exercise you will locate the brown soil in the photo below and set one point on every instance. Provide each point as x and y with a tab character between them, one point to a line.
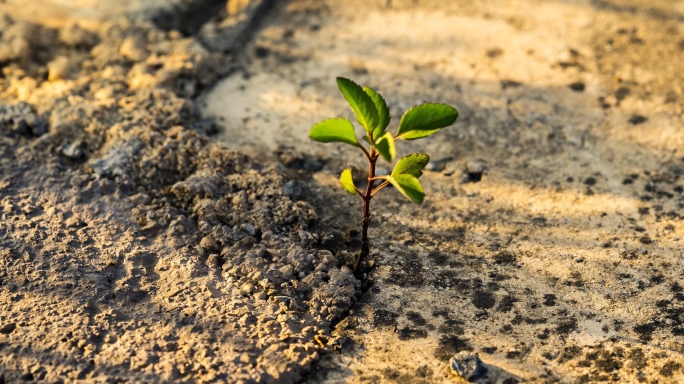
165	218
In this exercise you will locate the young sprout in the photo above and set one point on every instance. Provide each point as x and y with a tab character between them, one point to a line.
372	113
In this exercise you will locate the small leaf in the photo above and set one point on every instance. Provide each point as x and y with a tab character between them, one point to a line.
334	130
385	145
347	181
367	140
383	112
412	164
409	186
362	104
426	119
405	176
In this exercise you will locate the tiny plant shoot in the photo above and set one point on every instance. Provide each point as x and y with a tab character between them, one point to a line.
373	114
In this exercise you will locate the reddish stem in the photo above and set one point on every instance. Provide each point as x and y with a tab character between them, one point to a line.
365	244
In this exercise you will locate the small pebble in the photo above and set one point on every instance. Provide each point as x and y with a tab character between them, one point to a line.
249	228
293	189
468	366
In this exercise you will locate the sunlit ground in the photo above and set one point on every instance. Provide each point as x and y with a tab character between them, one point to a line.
573	110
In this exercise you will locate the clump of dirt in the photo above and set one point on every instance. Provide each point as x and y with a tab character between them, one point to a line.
153	253
20	120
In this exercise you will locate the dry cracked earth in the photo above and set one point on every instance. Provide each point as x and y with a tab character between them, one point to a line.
164	218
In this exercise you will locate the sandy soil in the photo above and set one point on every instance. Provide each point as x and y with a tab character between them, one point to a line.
164	209
134	248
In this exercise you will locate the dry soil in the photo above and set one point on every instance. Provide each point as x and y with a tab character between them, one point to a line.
165	218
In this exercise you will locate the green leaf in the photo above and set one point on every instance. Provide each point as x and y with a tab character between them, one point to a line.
347	181
409	186
426	119
412	164
383	112
405	176
334	130
385	145
362	104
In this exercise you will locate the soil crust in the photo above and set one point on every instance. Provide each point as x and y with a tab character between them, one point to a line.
164	217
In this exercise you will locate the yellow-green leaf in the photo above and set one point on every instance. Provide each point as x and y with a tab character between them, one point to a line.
412	164
383	112
359	101
334	130
347	181
409	186
385	145
426	119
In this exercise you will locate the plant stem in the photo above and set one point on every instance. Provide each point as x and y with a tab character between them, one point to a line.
381	186
365	152
365	245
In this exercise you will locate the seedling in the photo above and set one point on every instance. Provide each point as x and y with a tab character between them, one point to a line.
373	114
